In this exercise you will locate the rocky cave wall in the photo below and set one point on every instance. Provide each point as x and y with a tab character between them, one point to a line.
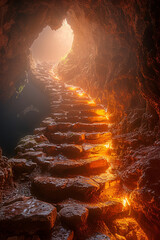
21	22
115	52
115	57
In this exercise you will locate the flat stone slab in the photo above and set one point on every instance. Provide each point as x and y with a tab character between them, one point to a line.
98	137
71	150
93	127
101	210
77	127
69	137
74	215
31	155
59	189
84	167
95	149
28	216
59	127
21	165
68	150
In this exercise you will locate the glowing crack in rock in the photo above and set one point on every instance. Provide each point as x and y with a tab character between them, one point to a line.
91	102
125	202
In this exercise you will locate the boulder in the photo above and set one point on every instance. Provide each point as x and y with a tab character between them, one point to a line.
28	216
74	215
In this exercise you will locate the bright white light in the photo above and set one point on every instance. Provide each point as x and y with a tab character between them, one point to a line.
52	46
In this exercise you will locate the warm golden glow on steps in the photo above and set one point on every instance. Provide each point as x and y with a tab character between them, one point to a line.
91	102
95	144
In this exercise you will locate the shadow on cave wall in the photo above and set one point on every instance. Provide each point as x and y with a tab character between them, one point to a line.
21	114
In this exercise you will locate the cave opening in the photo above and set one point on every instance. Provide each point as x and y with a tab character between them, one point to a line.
52	46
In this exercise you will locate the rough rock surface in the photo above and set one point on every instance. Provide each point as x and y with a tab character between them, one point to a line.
61	233
123	43
54	189
28	216
74	216
5	173
99	193
99	236
115	57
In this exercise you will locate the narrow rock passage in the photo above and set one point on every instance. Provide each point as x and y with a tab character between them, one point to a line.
66	186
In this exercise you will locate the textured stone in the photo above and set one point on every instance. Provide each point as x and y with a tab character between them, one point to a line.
21	165
74	215
101	210
99	236
94	127
61	233
129	228
58	189
66	137
73	167
29	216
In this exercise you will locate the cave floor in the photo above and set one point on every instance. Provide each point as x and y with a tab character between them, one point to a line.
65	183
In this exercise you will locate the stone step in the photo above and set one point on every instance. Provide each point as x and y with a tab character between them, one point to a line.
78	138
83	167
69	137
73	119
74	97
73	151
31	155
27	216
74	216
67	150
102	137
67	96
101	210
20	166
86	113
58	189
76	101
77	127
69	107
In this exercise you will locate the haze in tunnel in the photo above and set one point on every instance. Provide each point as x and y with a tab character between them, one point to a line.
52	46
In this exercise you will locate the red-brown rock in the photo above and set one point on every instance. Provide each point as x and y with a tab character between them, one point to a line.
28	216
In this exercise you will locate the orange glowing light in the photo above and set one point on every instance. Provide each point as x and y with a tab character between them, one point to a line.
100	112
72	88
108	145
125	202
91	102
80	94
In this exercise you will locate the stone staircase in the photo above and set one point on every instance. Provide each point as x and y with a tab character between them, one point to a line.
68	169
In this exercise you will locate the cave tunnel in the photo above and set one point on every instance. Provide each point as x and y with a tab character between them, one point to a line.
79	123
28	105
